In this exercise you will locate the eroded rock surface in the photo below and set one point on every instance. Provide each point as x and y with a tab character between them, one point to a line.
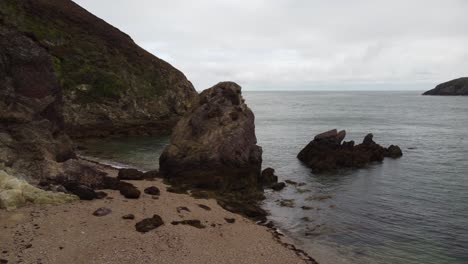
327	152
214	146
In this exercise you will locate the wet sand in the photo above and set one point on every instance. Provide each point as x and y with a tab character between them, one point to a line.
71	234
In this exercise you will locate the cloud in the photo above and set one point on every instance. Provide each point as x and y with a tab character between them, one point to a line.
300	44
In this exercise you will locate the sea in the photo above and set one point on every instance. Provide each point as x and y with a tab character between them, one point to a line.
412	210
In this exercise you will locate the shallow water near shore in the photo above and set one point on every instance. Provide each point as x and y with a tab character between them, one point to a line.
409	210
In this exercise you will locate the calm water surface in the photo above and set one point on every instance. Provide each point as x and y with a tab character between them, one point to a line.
410	210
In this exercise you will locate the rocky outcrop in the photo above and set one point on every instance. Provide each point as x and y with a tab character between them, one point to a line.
327	152
454	87
32	138
214	146
110	84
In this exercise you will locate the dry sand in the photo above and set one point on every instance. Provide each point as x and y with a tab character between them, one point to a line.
71	234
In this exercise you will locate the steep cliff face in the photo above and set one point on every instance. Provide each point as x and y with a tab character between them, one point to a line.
454	87
110	84
32	138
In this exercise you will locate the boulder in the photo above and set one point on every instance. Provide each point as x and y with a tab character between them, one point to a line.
327	152
153	190
152	174
268	177
130	174
214	146
129	191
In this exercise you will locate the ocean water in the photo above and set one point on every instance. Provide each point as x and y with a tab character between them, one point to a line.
410	210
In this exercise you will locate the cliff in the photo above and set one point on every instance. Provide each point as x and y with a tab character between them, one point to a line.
454	87
110	85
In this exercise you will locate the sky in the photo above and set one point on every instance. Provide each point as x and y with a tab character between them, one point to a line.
300	44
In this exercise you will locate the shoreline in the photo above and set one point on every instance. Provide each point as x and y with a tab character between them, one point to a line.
31	234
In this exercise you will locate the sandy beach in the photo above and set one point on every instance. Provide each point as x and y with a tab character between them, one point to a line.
70	233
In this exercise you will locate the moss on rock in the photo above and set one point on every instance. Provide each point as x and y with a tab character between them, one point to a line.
15	193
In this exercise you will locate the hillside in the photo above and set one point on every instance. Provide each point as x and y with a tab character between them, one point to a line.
454	87
110	85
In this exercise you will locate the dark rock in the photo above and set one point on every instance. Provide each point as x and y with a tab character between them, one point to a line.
210	149
454	87
153	190
177	189
393	152
3	261
327	153
306	207
230	220
129	191
128	217
149	224
204	207
278	186
102	211
153	174
192	222
101	195
249	209
130	174
268	177
290	182
182	208
83	192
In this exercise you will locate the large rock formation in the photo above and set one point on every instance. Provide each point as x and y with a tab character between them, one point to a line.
32	138
327	152
454	87
110	85
214	146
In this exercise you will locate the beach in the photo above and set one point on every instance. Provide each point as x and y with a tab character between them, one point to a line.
70	233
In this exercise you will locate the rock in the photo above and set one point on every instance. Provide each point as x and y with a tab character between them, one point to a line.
153	174
251	210
393	152
290	182
214	147
182	208
103	211
128	217
129	191
306	207
153	190
83	192
230	220
278	186
286	203
318	197
101	195
454	87
149	224
130	174
204	207
327	152
3	261
268	177
177	189
192	222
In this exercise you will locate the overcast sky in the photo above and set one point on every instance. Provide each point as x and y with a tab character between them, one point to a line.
300	44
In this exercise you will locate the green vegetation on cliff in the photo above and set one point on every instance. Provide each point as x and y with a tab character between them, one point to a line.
108	82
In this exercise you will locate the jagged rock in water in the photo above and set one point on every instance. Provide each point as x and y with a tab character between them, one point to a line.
268	177
454	87
110	84
327	152
214	146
